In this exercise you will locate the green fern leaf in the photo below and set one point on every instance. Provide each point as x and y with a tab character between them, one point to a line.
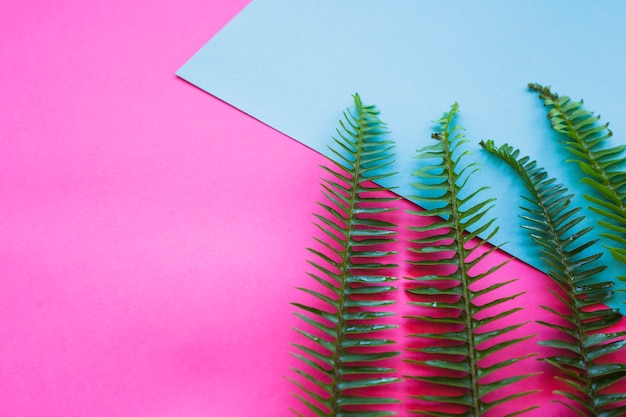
345	356
586	138
555	226
454	295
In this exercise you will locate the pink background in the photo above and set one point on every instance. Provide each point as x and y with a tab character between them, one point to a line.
152	236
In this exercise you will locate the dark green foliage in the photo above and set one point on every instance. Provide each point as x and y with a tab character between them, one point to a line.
346	355
458	356
602	166
582	318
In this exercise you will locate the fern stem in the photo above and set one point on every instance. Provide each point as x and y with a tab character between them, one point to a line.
345	269
574	134
464	272
446	243
571	302
583	137
349	267
541	189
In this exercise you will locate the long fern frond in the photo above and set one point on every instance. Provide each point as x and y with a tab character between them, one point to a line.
586	138
345	355
461	357
582	318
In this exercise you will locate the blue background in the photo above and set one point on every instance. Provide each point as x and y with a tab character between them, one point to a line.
295	64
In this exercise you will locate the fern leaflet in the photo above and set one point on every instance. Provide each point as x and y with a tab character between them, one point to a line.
455	295
585	138
345	356
554	225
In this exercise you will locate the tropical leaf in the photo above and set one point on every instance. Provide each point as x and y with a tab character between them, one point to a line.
602	166
461	358
345	355
582	318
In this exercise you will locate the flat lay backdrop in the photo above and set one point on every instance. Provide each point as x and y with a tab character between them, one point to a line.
289	63
151	235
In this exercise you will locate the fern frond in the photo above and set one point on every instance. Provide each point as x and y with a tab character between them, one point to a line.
346	355
555	226
586	138
461	358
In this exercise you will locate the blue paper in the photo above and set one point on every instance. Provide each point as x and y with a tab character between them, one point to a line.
295	64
